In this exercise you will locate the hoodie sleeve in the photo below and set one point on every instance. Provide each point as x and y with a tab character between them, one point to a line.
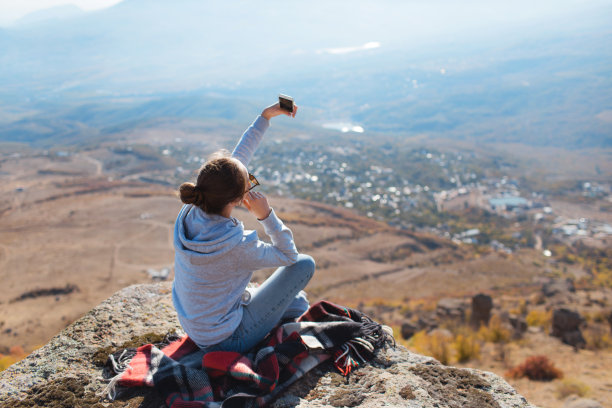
250	140
281	252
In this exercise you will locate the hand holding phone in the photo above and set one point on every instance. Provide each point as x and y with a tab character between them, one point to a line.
286	102
284	106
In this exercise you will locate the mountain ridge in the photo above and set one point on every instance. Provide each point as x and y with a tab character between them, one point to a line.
539	88
50	14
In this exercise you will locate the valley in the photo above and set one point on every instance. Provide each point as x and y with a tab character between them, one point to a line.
77	225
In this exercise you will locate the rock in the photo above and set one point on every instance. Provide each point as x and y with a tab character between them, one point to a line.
406	393
566	326
481	310
610	321
451	309
537	298
442	334
534	329
519	325
64	371
558	286
427	322
576	402
408	330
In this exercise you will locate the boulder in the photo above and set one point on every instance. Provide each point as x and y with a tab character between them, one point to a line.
481	310
427	321
439	333
66	371
451	309
566	326
519	325
408	330
537	298
558	286
577	402
610	321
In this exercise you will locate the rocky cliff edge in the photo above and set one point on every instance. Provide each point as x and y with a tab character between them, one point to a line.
67	372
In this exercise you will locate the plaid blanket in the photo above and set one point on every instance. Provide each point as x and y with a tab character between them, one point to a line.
186	377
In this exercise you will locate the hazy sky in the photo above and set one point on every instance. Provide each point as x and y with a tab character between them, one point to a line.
11	10
463	12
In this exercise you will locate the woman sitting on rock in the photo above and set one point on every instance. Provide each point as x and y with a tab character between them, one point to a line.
215	256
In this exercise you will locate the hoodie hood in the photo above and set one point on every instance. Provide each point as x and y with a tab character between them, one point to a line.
203	237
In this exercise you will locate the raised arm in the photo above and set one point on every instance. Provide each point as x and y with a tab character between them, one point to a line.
251	138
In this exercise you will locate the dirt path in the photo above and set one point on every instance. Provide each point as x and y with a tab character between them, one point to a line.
5	254
150	227
97	163
164	225
538	242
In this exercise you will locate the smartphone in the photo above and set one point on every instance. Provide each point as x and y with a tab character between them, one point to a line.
286	102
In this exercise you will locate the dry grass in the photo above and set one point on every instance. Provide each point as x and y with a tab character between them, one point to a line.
571	386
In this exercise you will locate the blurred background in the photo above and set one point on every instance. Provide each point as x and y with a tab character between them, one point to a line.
441	150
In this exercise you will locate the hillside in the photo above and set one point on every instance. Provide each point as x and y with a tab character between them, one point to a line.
89	231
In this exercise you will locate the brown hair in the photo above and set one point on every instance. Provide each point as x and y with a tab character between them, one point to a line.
220	181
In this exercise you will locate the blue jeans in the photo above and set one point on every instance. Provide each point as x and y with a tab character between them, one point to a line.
278	298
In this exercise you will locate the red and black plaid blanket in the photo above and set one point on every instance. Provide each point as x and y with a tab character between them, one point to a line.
186	377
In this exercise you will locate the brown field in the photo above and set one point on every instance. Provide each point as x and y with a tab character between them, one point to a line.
591	211
66	221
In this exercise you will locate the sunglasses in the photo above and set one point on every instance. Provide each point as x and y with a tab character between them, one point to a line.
253	181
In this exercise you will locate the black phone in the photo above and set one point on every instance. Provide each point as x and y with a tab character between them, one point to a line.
286	102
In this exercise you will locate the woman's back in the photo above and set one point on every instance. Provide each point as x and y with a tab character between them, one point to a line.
209	280
215	257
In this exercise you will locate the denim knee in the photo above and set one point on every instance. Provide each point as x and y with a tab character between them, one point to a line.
306	264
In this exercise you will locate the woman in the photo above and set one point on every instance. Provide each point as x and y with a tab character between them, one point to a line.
215	257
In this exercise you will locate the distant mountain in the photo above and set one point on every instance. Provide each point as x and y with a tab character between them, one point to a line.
373	64
46	15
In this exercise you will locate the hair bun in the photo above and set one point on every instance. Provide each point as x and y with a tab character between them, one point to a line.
189	193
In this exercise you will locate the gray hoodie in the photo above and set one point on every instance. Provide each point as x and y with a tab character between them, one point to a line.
215	259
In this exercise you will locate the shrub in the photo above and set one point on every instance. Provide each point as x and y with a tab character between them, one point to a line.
539	318
16	353
419	342
522	306
569	387
397	335
6	361
538	368
466	347
425	305
597	338
599	316
495	332
440	347
520	309
436	345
